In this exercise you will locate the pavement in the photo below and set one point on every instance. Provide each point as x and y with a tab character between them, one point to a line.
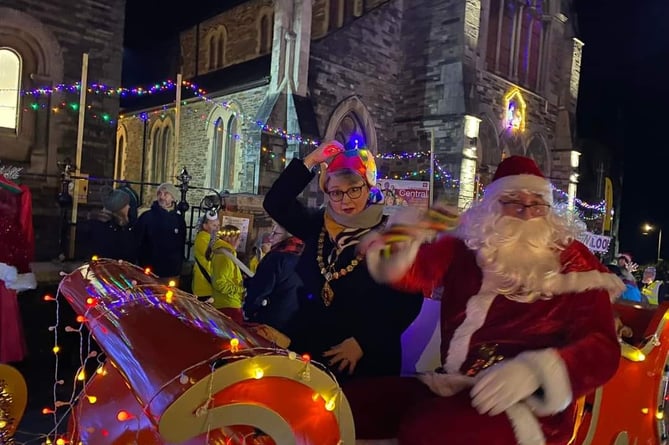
39	367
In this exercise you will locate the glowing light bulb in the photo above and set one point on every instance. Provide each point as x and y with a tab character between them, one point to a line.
258	373
122	416
95	258
81	319
306	357
100	370
60	441
48	297
56	349
168	296
47	411
3	424
659	415
92	399
90	301
330	405
172	283
234	345
81	376
315	396
644	410
147	270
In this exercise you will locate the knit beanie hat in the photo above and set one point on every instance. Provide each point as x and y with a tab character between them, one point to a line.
169	188
114	200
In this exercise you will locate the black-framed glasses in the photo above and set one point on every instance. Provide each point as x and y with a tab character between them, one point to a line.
519	208
353	193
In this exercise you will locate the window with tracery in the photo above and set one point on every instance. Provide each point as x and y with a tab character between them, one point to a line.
515	39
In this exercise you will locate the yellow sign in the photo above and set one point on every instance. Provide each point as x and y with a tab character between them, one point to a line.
608	198
514	106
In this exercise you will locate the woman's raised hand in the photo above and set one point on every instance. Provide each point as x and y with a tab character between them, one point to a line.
324	152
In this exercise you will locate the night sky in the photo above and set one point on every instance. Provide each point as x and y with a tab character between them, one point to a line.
622	103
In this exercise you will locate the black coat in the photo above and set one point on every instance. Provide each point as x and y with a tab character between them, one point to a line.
161	236
108	239
374	314
272	294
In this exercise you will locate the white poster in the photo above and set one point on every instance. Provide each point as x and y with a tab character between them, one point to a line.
596	243
402	193
242	224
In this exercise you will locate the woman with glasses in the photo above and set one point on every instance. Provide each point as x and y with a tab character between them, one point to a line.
272	293
345	320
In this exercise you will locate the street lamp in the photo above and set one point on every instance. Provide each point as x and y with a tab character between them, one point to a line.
646	229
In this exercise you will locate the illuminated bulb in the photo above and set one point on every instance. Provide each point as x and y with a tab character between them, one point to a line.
90	301
56	349
92	399
147	270
60	441
100	370
330	406
234	345
172	283
644	410
168	296
95	258
315	396
2	424
48	297
47	411
122	416
258	373
81	376
81	319
659	415
306	357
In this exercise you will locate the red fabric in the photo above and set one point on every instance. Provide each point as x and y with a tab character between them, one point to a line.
404	408
578	325
16	232
12	342
517	165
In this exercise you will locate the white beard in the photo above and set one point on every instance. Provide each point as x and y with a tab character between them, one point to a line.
518	258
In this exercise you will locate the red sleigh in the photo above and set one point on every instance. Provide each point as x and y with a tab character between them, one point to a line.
179	372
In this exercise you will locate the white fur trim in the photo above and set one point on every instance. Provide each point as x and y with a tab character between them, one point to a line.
475	315
23	282
554	380
583	281
525	425
8	273
446	385
531	183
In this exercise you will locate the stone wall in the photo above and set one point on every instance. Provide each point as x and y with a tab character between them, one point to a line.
52	36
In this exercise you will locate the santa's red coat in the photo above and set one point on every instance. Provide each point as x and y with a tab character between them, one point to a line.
569	340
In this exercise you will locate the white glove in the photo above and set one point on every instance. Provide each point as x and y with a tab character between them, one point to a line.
502	386
7	273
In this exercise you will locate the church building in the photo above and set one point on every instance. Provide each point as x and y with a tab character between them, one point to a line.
470	80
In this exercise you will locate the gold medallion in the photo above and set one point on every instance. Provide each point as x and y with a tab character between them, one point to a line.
327	294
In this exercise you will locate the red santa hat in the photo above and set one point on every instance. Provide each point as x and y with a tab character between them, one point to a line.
518	173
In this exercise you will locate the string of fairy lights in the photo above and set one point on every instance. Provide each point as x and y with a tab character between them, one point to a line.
585	210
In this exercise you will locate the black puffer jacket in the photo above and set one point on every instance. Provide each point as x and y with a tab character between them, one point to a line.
161	236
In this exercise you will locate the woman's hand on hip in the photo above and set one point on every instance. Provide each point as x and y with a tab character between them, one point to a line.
346	353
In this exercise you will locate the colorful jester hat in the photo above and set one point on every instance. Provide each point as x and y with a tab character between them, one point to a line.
358	160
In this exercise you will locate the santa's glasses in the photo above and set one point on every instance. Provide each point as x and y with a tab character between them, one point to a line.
519	208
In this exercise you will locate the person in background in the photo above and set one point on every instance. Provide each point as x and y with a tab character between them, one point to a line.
627	267
161	235
126	187
654	290
226	277
272	294
345	319
631	294
111	232
258	252
208	227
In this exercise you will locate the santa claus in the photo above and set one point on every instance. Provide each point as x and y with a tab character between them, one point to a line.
527	326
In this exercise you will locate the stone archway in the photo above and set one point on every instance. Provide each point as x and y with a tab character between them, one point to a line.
352	116
489	151
538	150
